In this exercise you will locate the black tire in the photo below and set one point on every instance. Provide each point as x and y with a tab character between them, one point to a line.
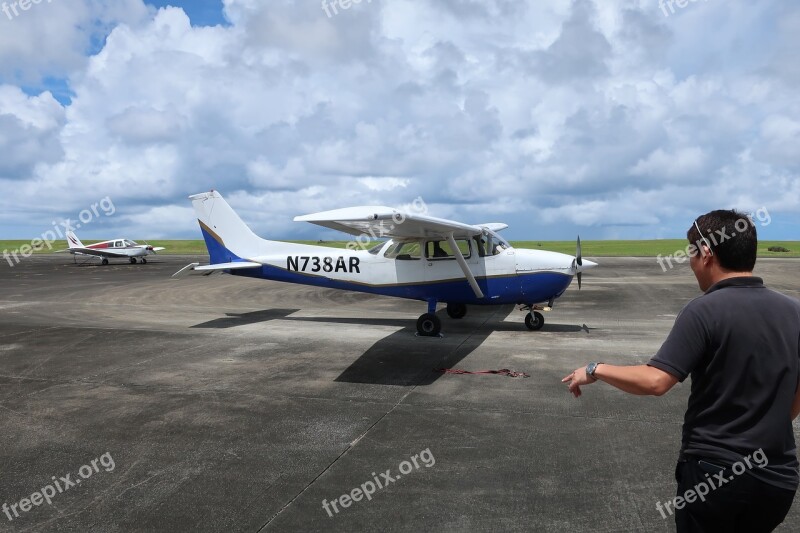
133	260
104	261
456	310
144	261
429	325
534	321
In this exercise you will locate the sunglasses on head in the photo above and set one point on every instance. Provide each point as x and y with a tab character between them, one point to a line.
705	241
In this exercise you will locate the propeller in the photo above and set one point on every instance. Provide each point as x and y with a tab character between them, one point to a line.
149	248
578	262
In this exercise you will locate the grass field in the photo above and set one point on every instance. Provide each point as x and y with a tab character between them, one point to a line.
649	248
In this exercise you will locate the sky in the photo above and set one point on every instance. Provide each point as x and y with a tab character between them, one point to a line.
620	119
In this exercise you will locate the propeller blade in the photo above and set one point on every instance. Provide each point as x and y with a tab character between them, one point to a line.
578	261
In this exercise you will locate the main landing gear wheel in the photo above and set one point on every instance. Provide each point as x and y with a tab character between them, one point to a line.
429	325
104	261
534	321
456	310
133	260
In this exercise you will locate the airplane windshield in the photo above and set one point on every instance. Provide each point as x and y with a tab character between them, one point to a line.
130	243
501	243
491	244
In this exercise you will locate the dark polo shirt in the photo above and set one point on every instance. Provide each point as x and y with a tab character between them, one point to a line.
741	344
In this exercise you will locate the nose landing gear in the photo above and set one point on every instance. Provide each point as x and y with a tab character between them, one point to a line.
534	320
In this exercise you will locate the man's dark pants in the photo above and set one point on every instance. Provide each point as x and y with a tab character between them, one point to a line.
743	503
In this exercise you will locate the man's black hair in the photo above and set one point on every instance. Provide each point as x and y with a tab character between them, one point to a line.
730	235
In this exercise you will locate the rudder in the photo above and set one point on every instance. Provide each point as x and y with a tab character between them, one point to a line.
227	237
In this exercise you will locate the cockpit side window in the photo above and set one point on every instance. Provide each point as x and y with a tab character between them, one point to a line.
441	249
482	245
376	249
404	251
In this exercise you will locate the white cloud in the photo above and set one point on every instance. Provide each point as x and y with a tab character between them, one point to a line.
550	115
29	130
686	163
51	38
145	125
384	184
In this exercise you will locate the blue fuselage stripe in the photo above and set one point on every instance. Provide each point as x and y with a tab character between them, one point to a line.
527	288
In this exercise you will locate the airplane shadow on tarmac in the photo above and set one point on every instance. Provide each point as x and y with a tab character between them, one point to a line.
402	358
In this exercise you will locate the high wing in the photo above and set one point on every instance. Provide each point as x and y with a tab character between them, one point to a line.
494	226
382	221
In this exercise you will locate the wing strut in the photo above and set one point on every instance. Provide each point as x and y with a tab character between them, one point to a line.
464	267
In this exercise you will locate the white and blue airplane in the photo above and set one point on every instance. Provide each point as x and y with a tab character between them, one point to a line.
426	258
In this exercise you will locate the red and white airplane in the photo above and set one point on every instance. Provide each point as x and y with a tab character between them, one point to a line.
117	248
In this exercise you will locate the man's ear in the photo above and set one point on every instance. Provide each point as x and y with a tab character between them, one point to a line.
710	258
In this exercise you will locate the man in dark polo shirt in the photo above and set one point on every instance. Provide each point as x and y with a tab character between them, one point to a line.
740	342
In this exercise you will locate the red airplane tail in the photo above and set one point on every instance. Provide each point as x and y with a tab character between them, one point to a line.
73	241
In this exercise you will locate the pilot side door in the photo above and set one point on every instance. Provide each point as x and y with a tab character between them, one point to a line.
499	265
442	267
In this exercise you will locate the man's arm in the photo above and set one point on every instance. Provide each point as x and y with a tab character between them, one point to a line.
640	379
796	404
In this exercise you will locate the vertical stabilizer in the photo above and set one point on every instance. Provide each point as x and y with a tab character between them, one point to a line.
73	241
227	238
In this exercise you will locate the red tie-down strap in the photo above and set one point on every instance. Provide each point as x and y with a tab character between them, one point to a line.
502	372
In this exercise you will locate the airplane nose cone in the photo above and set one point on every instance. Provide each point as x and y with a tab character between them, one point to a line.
588	264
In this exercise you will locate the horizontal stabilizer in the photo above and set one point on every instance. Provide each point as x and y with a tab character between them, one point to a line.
212	268
228	266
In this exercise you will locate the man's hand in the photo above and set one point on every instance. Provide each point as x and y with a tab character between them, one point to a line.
576	379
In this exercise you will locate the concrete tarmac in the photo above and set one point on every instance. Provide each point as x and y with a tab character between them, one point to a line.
219	403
